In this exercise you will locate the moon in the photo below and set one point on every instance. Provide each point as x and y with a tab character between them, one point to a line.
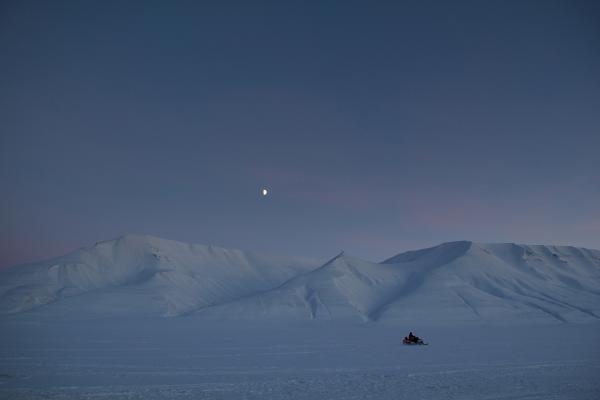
264	191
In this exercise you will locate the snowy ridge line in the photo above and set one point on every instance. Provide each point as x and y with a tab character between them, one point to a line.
454	282
269	290
142	275
458	282
418	276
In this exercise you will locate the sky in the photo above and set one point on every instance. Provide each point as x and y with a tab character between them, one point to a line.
378	127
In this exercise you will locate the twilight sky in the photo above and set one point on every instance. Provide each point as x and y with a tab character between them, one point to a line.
378	126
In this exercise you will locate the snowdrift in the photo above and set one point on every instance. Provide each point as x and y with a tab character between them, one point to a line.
450	283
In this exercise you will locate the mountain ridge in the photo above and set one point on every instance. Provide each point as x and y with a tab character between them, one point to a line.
142	275
483	288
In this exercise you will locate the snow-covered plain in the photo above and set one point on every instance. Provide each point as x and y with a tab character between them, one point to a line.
140	317
186	358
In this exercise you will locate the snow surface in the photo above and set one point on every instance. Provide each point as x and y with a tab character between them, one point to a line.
453	282
146	318
142	275
185	358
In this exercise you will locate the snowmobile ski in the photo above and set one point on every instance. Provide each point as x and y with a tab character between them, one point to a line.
418	343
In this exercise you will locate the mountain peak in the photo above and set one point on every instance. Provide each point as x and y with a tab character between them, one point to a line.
144	274
448	250
456	281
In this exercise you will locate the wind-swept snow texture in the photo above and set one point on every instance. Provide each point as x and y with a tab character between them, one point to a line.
453	282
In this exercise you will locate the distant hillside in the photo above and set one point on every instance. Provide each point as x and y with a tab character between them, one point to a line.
450	283
142	275
453	282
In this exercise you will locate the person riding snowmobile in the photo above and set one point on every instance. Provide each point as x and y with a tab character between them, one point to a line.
412	338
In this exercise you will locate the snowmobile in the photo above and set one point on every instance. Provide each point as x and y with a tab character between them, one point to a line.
419	342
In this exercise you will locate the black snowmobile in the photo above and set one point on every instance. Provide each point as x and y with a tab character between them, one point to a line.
412	340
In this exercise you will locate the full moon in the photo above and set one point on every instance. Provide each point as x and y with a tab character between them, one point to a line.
264	191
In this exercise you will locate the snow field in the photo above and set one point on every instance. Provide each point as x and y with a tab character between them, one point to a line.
183	358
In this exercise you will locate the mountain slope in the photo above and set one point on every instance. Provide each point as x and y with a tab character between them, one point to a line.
504	282
453	282
344	287
459	281
142	275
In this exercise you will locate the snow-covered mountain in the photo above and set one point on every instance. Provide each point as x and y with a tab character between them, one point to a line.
142	275
452	282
